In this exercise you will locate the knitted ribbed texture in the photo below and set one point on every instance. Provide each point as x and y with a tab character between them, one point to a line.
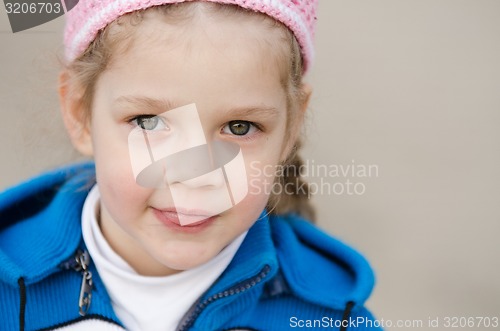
45	216
9	314
54	302
89	16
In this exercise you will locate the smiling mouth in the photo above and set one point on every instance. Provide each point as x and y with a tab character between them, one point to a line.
184	218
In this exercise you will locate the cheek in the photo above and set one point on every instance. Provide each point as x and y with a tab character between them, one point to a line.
250	208
261	175
262	167
120	193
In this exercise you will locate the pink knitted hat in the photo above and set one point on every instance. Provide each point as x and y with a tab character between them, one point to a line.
89	16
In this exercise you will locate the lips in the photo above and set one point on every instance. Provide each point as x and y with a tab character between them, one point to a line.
185	219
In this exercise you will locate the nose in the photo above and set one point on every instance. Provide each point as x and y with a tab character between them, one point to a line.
211	180
206	176
195	167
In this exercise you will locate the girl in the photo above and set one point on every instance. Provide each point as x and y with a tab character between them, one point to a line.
191	112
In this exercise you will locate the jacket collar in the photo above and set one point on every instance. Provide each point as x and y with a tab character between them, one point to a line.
319	268
45	233
256	252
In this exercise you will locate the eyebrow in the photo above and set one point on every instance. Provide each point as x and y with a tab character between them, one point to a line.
147	104
254	111
163	105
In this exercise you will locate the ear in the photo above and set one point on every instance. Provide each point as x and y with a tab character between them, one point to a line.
76	121
297	121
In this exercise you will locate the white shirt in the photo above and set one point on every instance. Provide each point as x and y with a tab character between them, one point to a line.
143	302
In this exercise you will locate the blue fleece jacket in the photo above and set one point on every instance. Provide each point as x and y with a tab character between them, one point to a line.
287	274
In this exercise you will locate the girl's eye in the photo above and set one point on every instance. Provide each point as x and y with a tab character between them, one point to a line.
239	128
149	122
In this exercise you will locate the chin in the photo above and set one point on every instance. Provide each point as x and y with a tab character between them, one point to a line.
183	265
186	261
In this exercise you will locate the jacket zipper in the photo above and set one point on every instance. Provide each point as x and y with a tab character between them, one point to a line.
80	262
244	286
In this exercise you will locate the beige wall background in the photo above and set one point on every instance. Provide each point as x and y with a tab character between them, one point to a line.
411	87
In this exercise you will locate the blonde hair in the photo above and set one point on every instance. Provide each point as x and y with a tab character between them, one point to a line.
84	72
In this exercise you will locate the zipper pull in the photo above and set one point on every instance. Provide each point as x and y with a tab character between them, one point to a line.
80	263
85	293
83	260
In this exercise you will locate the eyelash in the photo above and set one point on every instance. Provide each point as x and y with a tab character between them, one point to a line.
245	137
139	117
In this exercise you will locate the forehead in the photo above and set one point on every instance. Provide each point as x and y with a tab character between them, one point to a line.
247	33
239	58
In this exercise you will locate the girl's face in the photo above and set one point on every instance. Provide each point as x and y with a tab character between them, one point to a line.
228	70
